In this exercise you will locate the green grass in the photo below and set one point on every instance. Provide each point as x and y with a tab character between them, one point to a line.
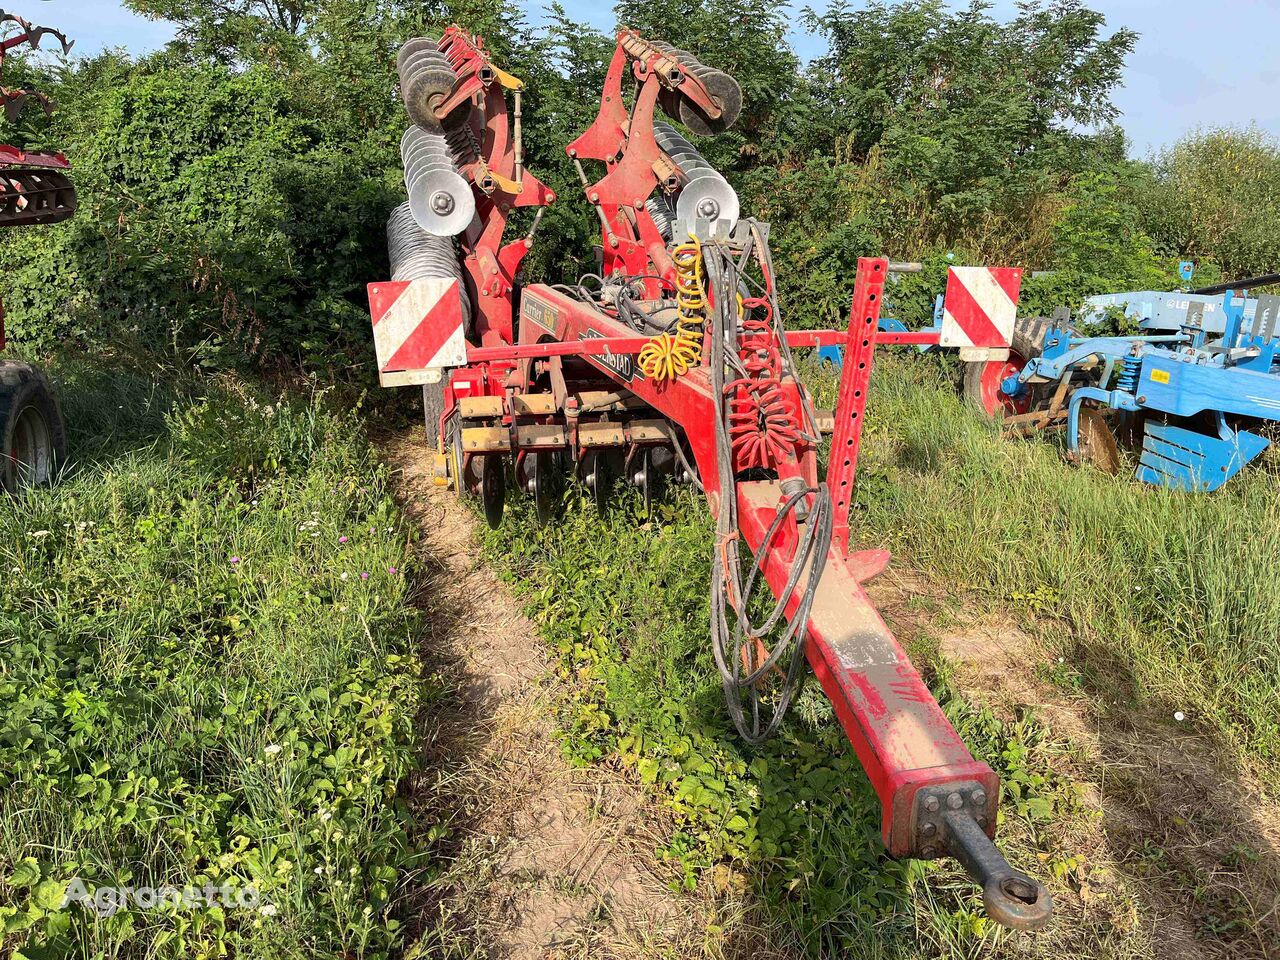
201	681
622	604
1152	597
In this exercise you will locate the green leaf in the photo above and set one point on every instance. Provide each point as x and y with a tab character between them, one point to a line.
25	874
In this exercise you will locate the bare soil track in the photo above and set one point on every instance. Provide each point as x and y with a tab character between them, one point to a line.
550	860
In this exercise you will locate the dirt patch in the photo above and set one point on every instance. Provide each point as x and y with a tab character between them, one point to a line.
548	860
1191	840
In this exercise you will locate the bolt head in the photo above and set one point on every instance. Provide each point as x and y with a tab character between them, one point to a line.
441	203
955	801
709	208
931	804
929	852
979	798
929	829
982	822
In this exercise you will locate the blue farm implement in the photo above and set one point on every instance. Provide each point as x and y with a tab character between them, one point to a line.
1190	398
671	364
35	190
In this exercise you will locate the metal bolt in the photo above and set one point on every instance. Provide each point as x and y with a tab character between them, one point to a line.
709	208
955	801
979	798
442	203
1142	399
929	852
929	829
931	804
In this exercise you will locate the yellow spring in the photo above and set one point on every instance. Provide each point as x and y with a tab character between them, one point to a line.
668	356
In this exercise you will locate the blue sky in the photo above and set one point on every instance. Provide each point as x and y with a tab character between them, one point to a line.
1196	63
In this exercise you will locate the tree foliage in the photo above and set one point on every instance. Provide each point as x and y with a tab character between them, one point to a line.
235	185
1216	194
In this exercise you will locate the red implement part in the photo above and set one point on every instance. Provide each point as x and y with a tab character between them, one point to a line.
492	265
632	243
860	348
901	736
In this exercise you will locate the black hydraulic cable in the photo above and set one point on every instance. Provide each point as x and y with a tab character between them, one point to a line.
1249	282
742	689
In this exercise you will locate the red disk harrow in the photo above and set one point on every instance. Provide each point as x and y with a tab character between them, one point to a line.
672	364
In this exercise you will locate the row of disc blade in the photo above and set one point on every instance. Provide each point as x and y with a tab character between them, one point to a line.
706	195
418	255
724	90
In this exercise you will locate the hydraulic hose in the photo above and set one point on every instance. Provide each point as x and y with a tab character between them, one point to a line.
757	708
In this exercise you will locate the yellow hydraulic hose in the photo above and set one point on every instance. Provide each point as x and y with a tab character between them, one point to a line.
668	356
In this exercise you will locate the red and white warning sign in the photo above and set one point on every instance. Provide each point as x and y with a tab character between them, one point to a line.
418	330
979	310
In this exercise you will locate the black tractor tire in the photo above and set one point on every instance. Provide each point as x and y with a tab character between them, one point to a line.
1026	344
35	434
433	410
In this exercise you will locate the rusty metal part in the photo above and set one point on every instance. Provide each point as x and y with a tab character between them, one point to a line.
493	488
601	434
485	440
35	196
1097	443
533	404
958	819
475	408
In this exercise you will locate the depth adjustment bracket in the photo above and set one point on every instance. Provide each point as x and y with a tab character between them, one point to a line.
958	819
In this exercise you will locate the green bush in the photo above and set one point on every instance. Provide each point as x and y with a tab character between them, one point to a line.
1215	194
216	222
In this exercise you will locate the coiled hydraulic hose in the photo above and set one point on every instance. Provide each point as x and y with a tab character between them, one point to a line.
745	664
667	355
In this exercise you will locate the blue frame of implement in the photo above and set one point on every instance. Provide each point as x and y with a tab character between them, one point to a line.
1181	376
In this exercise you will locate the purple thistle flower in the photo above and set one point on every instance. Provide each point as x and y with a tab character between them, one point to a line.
391	570
364	575
235	560
342	539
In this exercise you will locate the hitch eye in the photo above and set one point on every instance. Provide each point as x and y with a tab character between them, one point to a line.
1020	888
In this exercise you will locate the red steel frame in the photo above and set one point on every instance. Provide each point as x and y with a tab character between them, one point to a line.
501	185
899	733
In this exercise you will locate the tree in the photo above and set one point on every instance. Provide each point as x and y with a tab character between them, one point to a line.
969	113
1216	193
